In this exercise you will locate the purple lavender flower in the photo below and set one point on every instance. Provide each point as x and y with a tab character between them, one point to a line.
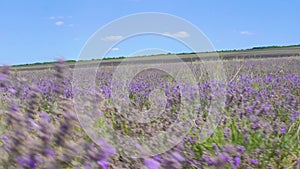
227	133
178	157
224	157
4	138
49	152
45	116
12	91
254	161
151	164
25	162
104	164
237	161
241	149
33	123
206	158
216	148
283	130
157	158
2	77
21	161
109	150
267	107
87	165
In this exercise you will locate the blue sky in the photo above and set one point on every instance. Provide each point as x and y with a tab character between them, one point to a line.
38	31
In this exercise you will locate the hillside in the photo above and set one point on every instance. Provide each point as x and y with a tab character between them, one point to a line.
255	52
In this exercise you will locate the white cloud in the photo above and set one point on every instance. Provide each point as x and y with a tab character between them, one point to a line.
60	17
180	34
248	33
59	23
115	49
112	38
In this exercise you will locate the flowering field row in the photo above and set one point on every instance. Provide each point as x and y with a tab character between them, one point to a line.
256	126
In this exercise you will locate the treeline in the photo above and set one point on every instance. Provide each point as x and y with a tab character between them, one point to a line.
271	47
112	58
68	61
41	63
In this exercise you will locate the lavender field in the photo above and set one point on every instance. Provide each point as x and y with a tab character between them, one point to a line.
257	125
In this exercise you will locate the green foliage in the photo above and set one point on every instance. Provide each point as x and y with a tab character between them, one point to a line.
113	58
